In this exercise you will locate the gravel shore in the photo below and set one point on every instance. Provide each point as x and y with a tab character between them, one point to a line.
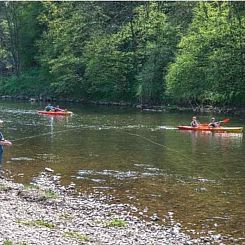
48	213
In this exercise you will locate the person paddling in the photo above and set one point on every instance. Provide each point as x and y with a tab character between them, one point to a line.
194	122
213	123
57	108
49	107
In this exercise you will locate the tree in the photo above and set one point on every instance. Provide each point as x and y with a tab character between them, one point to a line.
10	25
209	66
69	26
157	43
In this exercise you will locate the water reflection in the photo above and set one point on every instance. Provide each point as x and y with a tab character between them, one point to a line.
225	140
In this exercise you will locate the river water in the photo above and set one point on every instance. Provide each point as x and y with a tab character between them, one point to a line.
136	157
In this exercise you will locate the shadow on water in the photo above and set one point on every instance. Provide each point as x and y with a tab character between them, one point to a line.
136	157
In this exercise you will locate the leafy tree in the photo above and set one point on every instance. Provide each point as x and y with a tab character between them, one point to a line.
10	23
19	30
159	49
30	31
130	63
107	70
145	51
69	26
209	68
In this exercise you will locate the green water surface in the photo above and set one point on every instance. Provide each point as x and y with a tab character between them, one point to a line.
136	157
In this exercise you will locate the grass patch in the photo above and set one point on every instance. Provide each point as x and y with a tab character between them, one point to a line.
39	223
7	242
30	187
50	194
116	223
76	235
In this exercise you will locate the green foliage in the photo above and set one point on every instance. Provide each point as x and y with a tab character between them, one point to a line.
116	223
68	29
7	242
108	70
208	68
131	62
30	31
151	52
158	52
33	82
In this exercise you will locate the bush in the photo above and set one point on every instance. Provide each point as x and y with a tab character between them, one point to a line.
33	82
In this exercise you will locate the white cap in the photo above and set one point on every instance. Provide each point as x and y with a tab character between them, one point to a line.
1	121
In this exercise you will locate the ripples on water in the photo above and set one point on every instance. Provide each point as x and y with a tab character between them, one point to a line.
136	156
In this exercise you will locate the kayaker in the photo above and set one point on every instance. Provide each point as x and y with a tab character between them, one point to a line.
1	139
49	107
213	123
194	122
57	108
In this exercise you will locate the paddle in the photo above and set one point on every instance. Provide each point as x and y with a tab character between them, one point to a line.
226	120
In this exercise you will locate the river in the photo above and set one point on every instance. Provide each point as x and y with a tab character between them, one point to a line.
196	179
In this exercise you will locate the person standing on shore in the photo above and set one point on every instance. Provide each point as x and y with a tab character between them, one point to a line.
3	142
1	139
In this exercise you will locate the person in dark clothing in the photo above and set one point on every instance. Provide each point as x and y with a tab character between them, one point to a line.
49	107
57	108
3	142
213	123
1	139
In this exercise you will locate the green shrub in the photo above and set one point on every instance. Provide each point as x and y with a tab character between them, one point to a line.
30	83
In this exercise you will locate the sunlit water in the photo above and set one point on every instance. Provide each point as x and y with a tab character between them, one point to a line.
137	157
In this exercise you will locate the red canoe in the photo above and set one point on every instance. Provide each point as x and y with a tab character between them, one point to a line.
215	130
55	113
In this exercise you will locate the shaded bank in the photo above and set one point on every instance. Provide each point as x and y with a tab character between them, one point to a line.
238	111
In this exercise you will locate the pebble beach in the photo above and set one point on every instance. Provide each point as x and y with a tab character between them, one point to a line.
45	212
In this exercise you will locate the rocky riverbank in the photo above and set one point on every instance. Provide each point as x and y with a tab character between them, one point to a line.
45	212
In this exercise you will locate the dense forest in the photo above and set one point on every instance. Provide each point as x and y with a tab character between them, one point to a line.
136	52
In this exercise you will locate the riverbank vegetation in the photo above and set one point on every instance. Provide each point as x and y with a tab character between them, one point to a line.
145	52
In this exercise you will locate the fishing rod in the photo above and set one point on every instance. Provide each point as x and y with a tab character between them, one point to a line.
170	149
44	134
